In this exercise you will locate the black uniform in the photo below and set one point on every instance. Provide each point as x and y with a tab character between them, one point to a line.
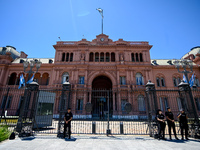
170	123
161	126
183	125
68	125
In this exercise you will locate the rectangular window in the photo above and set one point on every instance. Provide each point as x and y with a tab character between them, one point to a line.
122	80
45	109
141	104
79	104
161	104
81	80
139	81
166	103
179	103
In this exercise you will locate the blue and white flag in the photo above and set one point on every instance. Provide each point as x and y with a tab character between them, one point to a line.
191	82
21	81
31	79
100	11
184	79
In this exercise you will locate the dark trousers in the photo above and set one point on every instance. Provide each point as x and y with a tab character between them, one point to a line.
171	125
161	129
69	129
184	127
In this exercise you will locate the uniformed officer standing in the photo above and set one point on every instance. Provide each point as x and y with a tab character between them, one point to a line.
170	122
161	125
67	122
183	124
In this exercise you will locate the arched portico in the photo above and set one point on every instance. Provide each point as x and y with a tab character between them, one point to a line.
101	97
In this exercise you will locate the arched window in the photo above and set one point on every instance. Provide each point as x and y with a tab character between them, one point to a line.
107	57
91	57
137	59
102	57
178	80
113	57
158	81
37	78
63	56
133	57
12	79
45	79
67	57
175	82
71	56
139	79
96	57
65	77
162	82
141	103
141	58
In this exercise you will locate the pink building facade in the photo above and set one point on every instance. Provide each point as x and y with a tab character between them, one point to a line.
100	64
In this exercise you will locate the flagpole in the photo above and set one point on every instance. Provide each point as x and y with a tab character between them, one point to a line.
101	12
102	21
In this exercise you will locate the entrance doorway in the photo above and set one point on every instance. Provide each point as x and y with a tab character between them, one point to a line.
102	100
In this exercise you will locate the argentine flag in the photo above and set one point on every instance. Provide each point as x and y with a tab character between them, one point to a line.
191	82
21	81
184	79
31	80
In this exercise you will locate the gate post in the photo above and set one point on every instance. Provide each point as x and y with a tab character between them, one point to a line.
188	104
152	105
63	105
27	111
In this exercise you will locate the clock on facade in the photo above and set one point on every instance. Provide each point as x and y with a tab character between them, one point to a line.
102	39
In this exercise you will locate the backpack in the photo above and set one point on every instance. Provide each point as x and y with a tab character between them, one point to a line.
12	136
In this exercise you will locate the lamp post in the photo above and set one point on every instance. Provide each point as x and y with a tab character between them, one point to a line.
185	88
32	64
184	63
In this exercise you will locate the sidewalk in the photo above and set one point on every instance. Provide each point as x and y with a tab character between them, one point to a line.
98	142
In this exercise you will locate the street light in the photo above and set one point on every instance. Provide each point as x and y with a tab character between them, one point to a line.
184	63
32	64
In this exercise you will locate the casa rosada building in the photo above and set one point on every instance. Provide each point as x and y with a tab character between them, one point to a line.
120	66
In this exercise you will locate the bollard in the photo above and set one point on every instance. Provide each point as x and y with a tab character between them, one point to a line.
121	128
93	127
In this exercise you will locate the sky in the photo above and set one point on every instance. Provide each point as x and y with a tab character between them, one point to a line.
33	26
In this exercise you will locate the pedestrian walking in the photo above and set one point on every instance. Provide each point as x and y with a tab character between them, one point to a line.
161	124
183	124
170	122
67	122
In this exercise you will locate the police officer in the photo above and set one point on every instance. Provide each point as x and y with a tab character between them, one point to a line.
67	122
161	124
170	122
183	124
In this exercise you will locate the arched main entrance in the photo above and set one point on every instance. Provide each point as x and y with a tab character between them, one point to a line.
102	97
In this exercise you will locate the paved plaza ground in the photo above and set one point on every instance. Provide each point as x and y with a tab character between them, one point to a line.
98	142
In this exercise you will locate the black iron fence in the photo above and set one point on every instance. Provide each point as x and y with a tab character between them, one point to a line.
122	111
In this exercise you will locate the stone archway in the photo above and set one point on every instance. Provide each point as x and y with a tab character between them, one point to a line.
101	97
102	82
